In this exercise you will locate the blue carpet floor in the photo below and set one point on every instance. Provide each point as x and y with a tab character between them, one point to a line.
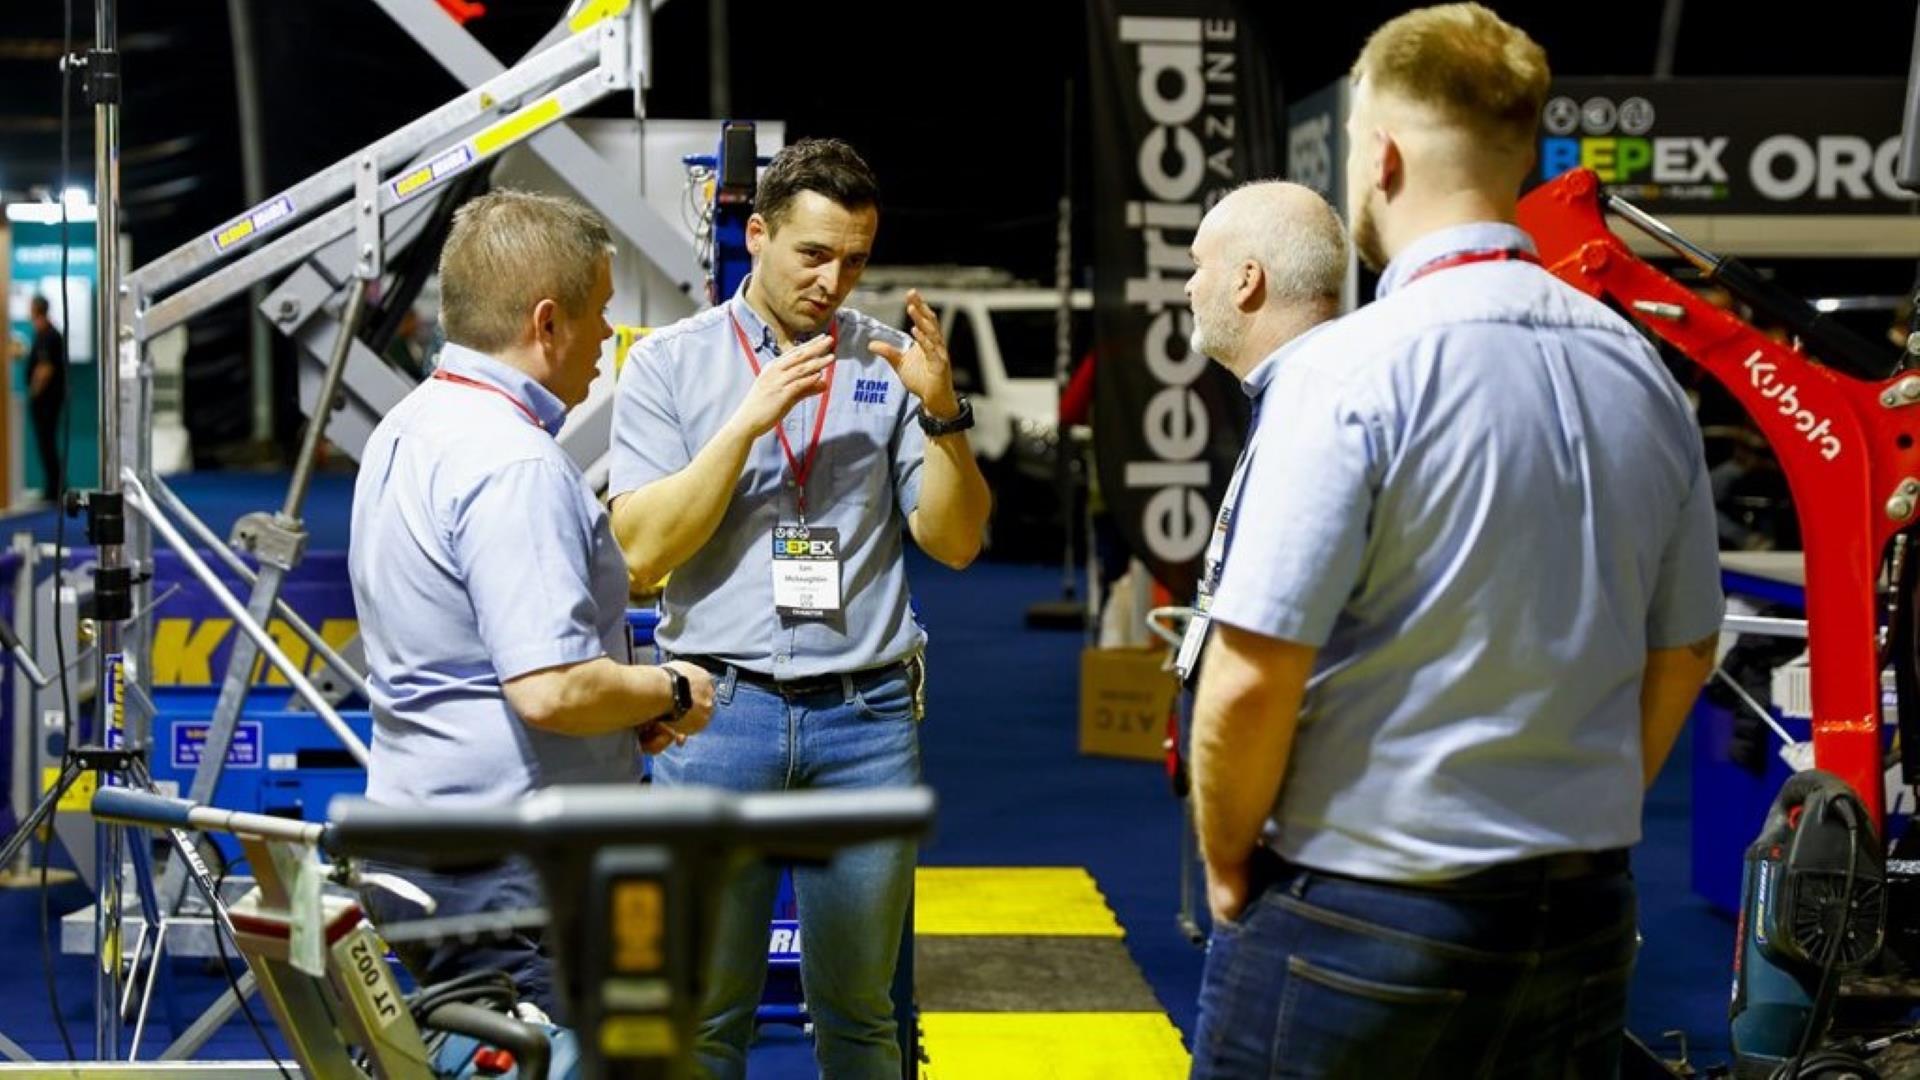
1000	748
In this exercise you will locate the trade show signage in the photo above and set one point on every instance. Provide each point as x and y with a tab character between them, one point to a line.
1183	112
1732	146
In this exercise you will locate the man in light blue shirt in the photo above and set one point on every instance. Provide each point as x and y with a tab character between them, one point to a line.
490	591
770	453
1470	591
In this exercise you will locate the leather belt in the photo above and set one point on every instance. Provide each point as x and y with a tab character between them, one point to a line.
811	684
1561	866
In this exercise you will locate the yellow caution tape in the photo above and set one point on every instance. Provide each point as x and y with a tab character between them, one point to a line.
1051	1046
1051	900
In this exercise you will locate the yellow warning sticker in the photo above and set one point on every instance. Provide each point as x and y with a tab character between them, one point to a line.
518	126
597	12
432	172
260	219
79	795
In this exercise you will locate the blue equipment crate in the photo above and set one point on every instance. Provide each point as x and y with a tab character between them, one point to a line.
283	762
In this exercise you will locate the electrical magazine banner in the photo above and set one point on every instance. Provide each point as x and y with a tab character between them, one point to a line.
1183	112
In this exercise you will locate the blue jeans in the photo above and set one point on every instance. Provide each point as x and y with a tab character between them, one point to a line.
1328	976
852	910
509	886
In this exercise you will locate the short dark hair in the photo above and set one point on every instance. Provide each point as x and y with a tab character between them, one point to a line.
38	305
827	167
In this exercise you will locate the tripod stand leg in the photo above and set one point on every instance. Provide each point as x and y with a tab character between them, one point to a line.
41	815
11	1050
153	926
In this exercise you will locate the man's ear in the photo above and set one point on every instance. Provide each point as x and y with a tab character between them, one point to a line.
757	233
546	322
1249	285
1389	164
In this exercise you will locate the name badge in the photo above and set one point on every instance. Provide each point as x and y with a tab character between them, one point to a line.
1195	639
806	573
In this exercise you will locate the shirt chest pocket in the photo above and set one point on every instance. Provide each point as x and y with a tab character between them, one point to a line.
856	464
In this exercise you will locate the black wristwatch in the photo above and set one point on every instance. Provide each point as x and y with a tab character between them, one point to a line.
682	692
936	428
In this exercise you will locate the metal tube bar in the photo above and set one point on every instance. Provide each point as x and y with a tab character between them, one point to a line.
323	408
1700	257
25	719
312	236
1765	626
106	172
472	106
138	500
174	505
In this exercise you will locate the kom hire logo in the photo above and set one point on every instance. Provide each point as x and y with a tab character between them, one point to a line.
1786	397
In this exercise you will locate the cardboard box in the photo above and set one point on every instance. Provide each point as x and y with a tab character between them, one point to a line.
1124	700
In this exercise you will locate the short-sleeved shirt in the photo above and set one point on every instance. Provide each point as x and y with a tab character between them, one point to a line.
478	555
678	388
1483	499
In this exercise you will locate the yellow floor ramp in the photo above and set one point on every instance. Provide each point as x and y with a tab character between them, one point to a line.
1022	973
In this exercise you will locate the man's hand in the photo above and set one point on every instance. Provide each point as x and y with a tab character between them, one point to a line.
38	378
924	367
657	735
798	373
1226	891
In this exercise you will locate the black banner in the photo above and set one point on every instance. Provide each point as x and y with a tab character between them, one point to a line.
1183	112
1732	146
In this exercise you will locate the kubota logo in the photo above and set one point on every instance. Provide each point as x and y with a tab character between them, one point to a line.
1786	396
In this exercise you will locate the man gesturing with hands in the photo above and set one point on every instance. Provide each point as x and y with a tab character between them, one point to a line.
768	454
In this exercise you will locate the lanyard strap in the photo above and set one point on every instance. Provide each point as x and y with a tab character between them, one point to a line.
475	384
1468	258
802	467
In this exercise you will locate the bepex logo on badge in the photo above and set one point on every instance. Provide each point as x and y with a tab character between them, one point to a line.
791	542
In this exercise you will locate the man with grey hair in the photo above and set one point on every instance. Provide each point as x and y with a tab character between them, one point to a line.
490	590
1268	262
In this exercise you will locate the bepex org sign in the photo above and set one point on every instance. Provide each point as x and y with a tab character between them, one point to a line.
1825	146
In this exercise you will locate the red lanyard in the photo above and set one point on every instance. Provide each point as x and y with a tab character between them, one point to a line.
1467	258
801	466
461	380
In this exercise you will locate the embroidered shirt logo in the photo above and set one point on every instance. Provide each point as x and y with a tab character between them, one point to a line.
870	391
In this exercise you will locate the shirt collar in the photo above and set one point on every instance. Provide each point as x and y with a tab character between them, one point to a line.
1255	384
759	334
509	380
1474	236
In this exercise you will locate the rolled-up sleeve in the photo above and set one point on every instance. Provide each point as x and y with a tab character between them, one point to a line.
648	440
1687	602
1299	532
523	547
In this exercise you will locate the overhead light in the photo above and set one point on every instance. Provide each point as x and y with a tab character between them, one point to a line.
46	213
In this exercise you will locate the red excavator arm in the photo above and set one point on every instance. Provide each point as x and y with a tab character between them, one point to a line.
1846	445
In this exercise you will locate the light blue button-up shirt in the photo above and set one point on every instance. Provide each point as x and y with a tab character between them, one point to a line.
1483	499
679	387
478	554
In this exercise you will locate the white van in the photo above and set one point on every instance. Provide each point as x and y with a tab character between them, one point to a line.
1000	335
